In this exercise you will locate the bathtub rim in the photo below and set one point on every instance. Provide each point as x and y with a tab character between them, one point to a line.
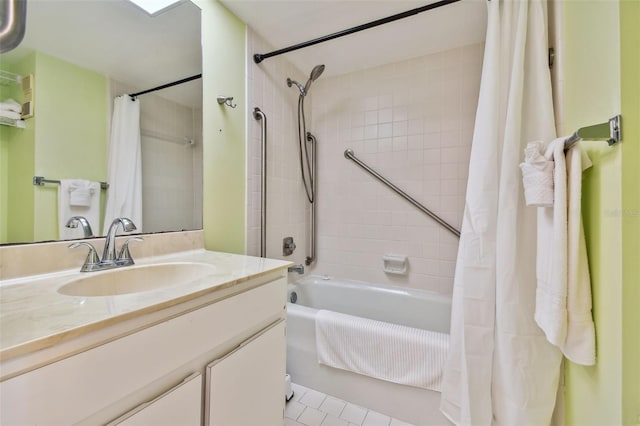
369	286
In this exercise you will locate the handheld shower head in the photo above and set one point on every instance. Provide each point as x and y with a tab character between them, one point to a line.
316	72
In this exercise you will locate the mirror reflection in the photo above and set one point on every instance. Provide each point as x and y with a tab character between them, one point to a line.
77	57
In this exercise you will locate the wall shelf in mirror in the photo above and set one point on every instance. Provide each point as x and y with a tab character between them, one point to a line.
10	111
12	122
7	78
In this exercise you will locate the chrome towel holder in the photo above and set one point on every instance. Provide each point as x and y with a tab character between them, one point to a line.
41	180
610	131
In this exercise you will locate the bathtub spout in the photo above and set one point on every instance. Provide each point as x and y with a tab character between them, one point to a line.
297	268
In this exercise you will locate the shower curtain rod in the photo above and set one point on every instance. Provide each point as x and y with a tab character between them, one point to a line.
259	57
164	86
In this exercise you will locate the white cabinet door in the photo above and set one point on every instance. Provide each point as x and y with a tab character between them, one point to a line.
180	405
246	387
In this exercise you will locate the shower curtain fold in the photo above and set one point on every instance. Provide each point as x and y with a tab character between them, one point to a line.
501	369
124	173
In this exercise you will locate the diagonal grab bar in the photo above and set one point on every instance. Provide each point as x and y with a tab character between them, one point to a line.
349	155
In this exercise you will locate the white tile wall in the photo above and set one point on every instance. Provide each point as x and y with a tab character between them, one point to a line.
413	122
287	208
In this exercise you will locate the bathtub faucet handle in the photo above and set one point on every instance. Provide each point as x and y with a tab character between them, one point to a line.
297	268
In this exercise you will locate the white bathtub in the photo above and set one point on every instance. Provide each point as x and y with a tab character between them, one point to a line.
413	308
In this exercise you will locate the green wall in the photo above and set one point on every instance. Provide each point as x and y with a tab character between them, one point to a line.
630	79
66	138
224	203
601	80
18	190
71	133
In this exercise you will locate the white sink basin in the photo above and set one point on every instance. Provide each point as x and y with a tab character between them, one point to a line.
136	279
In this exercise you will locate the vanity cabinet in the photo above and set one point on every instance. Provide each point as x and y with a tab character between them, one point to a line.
222	362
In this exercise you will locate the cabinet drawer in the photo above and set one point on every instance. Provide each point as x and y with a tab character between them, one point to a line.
73	389
180	405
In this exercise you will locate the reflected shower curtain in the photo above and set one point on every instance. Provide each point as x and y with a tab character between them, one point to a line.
501	369
124	173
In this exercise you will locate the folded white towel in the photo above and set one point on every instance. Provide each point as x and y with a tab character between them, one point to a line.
80	193
66	210
390	352
10	105
563	293
537	176
10	114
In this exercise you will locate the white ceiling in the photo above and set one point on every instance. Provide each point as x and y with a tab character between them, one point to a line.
116	38
284	23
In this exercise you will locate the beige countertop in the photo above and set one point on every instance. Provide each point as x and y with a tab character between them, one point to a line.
33	315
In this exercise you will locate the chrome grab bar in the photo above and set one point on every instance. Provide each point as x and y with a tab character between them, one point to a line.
314	210
259	115
349	155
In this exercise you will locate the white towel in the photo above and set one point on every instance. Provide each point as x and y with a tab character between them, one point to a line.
86	203
563	294
10	105
10	114
81	192
537	176
580	343
391	352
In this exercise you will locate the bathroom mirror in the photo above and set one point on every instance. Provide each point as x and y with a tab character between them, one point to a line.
81	55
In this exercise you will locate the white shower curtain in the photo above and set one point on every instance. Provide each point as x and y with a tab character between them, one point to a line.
124	174
501	369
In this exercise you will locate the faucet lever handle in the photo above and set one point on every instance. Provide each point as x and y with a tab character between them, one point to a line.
124	258
92	256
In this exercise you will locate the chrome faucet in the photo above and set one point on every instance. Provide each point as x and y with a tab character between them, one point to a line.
86	228
296	268
109	258
109	252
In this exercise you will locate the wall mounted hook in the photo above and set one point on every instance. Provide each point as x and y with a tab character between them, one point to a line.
226	100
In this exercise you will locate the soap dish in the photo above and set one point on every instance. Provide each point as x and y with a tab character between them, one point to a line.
395	264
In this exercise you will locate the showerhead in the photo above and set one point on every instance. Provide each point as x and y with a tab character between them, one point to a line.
316	72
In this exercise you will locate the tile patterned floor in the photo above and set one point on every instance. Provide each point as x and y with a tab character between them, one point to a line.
309	407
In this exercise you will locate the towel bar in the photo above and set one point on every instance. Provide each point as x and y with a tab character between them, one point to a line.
610	132
40	180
